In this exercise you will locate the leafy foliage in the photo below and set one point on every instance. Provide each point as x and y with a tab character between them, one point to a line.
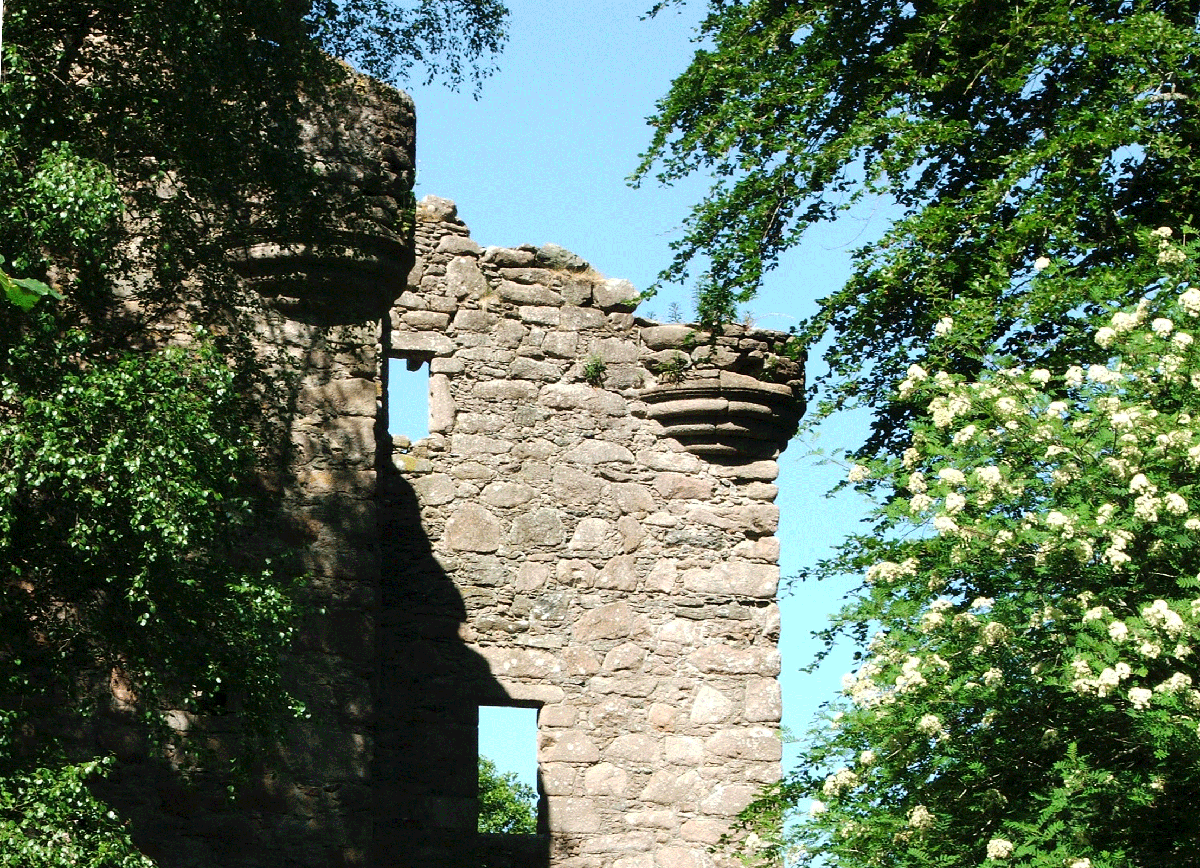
136	140
1008	133
506	806
1028	694
50	818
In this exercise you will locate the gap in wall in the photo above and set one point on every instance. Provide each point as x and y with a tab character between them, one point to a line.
508	737
408	398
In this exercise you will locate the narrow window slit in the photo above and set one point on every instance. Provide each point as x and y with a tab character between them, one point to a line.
408	399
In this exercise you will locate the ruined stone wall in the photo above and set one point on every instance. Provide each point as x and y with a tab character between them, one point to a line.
304	311
589	529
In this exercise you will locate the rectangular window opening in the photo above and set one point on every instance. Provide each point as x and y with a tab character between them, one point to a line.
408	399
509	801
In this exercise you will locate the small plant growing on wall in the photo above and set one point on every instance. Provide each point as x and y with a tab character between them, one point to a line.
672	371
593	370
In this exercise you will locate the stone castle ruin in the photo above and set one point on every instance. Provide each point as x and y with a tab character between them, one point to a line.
588	531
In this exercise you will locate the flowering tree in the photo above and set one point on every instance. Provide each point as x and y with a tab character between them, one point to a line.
1004	131
1028	694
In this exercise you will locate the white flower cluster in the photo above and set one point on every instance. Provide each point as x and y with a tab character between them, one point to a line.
1168	254
921	818
888	571
999	848
839	782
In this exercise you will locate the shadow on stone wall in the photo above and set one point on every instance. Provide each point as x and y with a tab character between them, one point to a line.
431	686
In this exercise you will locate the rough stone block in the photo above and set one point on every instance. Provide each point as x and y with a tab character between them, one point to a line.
579	396
761	491
619	574
631	533
539	315
615	351
446	366
661	716
627	656
571	746
632	498
571	486
532	576
575	573
727	800
421	344
739	579
423	320
682	857
579	318
458	245
666	459
510	664
578	292
478	444
464	279
542	276
441	404
350	397
762	549
525	692
669	787
668	820
530	369
561	345
507	494
677	486
615	294
760	745
589	535
728	660
605	779
558	779
598	452
665	337
762	471
505	390
760	518
505	257
703	830
763	703
711	706
542	527
680	631
473	529
435	489
528	294
474	320
633	747
614	621
572	815
579	660
684	750
509	333
557	716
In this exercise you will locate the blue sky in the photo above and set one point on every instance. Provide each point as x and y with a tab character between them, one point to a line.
543	156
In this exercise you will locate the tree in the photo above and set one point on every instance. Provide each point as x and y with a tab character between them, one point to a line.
126	469
1008	133
1028	696
506	805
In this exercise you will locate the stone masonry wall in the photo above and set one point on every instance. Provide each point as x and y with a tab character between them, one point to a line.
589	529
306	313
